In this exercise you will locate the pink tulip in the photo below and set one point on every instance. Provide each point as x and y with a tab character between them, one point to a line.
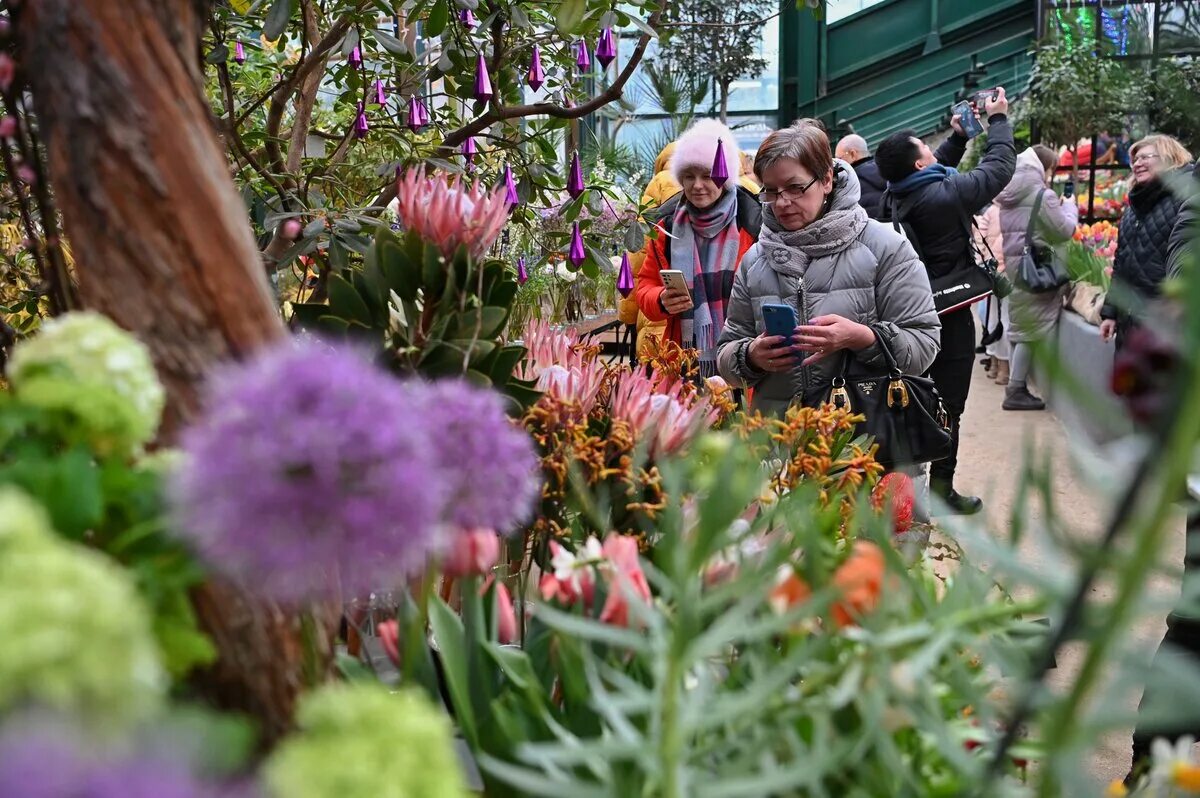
291	229
449	213
506	616
388	633
474	552
626	579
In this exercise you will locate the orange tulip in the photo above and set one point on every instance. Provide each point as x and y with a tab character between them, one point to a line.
860	580
788	592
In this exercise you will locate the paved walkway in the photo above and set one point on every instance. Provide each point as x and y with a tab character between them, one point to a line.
991	454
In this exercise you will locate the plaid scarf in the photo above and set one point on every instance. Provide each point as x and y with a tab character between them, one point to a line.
707	239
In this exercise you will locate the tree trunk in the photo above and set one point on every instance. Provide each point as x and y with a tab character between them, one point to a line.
163	247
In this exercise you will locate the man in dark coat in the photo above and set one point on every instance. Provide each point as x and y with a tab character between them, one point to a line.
930	197
853	150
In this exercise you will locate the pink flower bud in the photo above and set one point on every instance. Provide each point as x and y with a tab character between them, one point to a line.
26	175
291	229
506	616
8	127
389	638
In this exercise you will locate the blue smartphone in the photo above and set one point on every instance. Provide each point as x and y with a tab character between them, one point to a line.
966	115
779	320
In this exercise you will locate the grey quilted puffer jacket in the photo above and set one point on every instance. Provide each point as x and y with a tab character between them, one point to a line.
875	279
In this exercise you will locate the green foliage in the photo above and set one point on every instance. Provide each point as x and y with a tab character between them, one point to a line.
432	315
1086	266
1176	92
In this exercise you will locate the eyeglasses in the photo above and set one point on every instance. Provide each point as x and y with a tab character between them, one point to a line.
1146	156
794	191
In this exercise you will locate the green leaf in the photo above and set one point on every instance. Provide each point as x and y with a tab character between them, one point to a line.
350	42
635	237
481	323
641	25
399	272
390	43
438	15
217	55
570	15
345	301
451	639
277	19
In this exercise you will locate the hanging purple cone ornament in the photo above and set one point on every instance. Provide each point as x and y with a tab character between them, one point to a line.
575	185
380	94
576	254
467	18
606	51
510	188
360	123
416	113
522	272
537	75
483	82
625	276
720	168
469	149
423	113
239	52
355	57
582	59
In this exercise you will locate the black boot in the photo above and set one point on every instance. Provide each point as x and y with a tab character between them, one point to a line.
1019	398
958	504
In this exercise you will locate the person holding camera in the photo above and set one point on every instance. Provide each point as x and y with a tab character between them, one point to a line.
928	195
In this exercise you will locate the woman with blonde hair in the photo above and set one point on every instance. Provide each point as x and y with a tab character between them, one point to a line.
1141	261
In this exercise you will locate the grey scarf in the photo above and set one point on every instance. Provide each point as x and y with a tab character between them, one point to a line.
790	251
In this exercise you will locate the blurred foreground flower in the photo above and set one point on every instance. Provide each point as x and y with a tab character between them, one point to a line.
472	552
1142	374
896	490
315	474
450	213
85	366
360	740
573	576
47	760
76	635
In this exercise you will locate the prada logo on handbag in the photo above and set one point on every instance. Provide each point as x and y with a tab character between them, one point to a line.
867	387
897	393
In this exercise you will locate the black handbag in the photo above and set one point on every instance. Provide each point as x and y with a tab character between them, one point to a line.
1041	270
973	280
904	414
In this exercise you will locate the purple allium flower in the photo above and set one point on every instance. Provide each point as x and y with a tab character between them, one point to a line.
491	464
49	760
311	471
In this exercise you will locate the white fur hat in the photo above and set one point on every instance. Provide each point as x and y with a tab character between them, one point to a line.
698	147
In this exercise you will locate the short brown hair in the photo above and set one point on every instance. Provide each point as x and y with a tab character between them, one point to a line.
1047	156
1170	151
803	141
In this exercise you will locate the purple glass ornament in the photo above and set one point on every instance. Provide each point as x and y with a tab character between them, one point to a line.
510	188
576	254
355	59
483	82
467	18
625	276
239	52
380	94
522	272
606	50
582	59
415	115
423	113
575	185
720	169
469	149
537	75
361	125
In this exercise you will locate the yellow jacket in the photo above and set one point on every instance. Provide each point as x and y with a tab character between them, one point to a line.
661	188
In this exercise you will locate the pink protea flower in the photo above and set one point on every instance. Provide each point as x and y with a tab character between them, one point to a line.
660	411
451	213
545	347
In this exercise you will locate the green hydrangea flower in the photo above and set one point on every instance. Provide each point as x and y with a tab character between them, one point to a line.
362	740
76	636
97	374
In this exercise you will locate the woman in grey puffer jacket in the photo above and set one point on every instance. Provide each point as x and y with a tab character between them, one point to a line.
1032	317
840	271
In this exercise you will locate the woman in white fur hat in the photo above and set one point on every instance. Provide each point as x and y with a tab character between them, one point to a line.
703	231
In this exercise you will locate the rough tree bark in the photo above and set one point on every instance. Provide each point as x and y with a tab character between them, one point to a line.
162	245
